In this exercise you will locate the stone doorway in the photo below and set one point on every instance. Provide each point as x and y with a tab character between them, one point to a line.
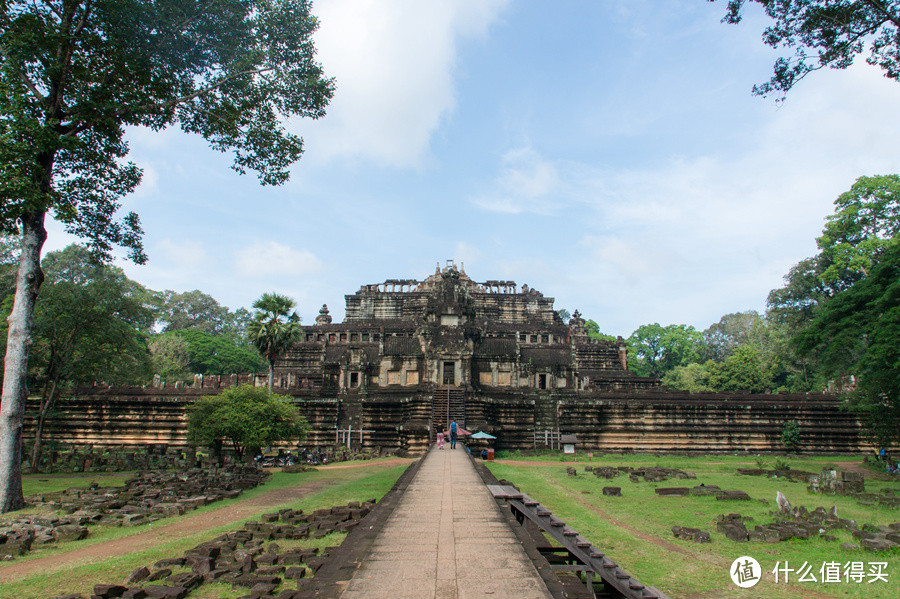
449	373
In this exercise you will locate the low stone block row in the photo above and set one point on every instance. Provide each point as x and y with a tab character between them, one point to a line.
887	499
799	523
702	490
791	475
648	474
247	558
145	498
118	459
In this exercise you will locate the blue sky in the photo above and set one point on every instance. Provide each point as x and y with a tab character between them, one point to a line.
609	154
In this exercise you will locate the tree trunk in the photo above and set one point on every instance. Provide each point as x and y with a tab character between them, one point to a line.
18	343
271	377
46	404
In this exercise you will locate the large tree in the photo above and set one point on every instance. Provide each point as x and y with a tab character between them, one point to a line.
75	73
856	333
90	325
654	350
180	353
865	224
191	311
274	329
826	33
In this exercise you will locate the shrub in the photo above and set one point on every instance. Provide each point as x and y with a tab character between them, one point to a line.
790	435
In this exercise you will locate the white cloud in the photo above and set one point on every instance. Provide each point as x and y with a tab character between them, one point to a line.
393	62
526	183
271	258
689	238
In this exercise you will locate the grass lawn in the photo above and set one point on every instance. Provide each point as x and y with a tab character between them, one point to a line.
635	529
49	483
335	487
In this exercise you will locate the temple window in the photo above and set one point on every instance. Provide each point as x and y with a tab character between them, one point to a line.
343	336
354	336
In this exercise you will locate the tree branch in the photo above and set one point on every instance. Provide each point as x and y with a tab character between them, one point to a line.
74	129
32	87
881	9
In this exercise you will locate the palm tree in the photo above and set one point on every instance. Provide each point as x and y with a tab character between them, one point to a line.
273	329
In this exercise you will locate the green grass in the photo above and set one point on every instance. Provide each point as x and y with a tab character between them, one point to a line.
682	568
49	483
339	487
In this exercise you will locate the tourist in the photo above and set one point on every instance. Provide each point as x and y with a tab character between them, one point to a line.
453	435
440	439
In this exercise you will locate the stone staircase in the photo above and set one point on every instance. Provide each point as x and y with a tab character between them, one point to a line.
448	404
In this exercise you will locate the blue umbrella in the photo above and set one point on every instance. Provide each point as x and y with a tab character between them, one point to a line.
482	435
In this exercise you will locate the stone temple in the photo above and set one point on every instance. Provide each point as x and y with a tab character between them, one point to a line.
458	338
412	355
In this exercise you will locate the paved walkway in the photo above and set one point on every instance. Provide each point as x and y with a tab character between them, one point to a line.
446	539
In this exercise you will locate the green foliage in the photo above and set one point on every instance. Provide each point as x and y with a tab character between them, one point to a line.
169	356
838	316
865	224
594	331
218	354
654	350
856	332
693	377
197	311
825	33
274	328
91	323
781	464
9	260
246	417
790	435
75	75
743	370
733	330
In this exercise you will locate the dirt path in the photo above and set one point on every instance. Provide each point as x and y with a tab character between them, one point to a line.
189	524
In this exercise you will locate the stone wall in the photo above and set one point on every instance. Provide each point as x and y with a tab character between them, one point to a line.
400	419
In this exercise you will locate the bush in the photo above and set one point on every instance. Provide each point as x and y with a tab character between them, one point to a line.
790	435
247	417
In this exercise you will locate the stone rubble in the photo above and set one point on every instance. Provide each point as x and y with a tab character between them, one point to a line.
249	558
145	498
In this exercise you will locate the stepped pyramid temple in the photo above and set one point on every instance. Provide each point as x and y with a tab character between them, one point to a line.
412	355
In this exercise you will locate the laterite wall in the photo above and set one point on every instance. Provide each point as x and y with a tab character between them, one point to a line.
399	419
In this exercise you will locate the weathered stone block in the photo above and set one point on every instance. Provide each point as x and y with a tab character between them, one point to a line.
672	491
109	591
138	575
